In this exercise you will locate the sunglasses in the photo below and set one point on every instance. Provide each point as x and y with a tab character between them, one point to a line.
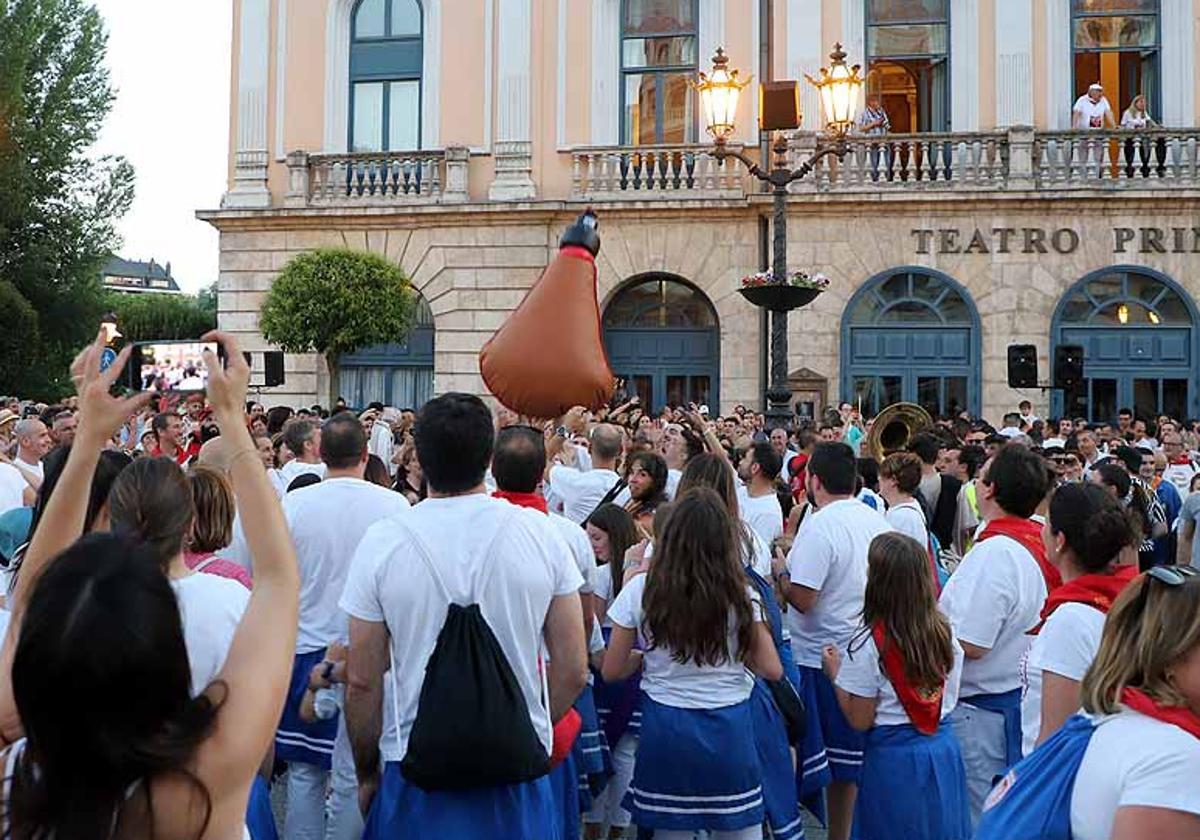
1171	575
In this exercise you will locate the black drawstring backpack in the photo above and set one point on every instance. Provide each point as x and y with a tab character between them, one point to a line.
472	728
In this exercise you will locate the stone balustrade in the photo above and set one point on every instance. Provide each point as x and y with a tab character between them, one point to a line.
381	178
1117	159
641	173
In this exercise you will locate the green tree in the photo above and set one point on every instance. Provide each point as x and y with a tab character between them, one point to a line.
18	335
58	207
146	317
334	301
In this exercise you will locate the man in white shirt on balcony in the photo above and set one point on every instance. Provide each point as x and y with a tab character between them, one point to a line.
1092	110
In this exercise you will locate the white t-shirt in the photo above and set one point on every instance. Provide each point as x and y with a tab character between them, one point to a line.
581	549
1054	442
993	599
1133	760
513	583
862	676
36	467
580	492
293	469
602	589
1092	113
763	513
327	521
12	488
788	455
210	608
909	519
1180	475
684	685
829	554
1066	645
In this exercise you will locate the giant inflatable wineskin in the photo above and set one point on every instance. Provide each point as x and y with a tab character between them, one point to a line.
548	355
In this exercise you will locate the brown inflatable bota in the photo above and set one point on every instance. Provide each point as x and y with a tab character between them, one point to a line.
548	355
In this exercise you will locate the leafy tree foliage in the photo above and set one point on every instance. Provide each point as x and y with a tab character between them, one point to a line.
334	301
17	335
58	207
146	317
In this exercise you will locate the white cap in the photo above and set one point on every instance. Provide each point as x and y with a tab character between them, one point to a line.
1095	86
703	411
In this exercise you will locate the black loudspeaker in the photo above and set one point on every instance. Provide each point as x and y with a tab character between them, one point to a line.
779	106
1068	365
273	367
1022	366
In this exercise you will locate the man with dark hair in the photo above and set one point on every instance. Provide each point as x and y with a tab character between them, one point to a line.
168	432
827	567
1125	422
303	439
938	493
277	417
327	521
993	600
463	545
758	503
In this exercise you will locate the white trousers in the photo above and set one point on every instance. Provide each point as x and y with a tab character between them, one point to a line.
607	810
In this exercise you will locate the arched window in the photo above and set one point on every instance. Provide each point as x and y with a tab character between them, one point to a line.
908	55
1116	43
662	338
911	335
1137	331
399	375
385	75
658	65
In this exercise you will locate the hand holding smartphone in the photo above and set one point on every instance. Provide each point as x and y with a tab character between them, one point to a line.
169	367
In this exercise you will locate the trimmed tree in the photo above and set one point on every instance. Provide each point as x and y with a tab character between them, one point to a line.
334	301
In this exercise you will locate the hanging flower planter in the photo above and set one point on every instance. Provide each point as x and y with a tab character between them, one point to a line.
796	290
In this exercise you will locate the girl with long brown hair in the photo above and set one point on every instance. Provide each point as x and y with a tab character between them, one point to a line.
899	680
700	625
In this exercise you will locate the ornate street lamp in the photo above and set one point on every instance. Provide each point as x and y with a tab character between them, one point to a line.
840	87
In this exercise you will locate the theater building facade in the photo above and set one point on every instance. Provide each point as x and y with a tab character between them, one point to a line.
459	137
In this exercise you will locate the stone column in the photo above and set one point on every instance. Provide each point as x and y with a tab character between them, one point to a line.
964	61
1058	64
1020	158
804	55
513	150
250	151
1177	25
1014	63
457	160
298	182
606	72
854	37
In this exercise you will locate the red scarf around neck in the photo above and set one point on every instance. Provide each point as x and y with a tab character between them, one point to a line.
1143	703
1029	534
529	500
924	707
1097	591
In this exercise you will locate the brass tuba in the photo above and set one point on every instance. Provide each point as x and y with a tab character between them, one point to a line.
894	427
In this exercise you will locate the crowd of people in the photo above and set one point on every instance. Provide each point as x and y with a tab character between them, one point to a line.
460	622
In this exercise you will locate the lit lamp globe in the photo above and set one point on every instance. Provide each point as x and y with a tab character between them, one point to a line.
719	94
840	88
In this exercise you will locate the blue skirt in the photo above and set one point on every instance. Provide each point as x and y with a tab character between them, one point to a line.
593	755
696	769
617	707
775	758
260	821
402	811
930	768
307	743
565	783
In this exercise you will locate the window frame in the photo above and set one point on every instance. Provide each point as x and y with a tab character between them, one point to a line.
658	72
386	79
1155	104
948	56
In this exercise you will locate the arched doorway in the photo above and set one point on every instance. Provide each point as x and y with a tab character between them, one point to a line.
1138	332
662	338
399	375
911	335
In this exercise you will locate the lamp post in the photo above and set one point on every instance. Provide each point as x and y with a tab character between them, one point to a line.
839	87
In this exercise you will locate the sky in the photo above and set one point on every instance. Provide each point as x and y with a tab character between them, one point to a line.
169	63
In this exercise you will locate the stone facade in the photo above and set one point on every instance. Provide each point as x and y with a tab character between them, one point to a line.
473	263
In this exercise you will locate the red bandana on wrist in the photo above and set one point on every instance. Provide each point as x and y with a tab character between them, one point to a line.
924	706
1029	534
529	500
1181	716
1097	591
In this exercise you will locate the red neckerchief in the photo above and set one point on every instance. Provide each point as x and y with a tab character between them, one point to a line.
529	500
1181	716
924	707
1182	461
1097	591
1029	534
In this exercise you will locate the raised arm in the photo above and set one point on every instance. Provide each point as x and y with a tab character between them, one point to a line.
258	667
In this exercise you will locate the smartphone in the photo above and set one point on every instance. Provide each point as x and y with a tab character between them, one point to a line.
169	367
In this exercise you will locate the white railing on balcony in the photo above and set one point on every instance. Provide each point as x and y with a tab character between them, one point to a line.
908	162
654	172
387	178
1116	159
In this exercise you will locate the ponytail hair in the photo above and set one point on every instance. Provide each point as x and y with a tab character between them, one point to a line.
151	500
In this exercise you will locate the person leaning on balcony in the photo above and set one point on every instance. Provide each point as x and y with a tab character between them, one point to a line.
1137	118
874	122
1092	110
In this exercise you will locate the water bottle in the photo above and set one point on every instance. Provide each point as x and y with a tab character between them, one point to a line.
326	702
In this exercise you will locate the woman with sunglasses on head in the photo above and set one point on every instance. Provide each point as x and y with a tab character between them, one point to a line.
1125	768
1084	534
